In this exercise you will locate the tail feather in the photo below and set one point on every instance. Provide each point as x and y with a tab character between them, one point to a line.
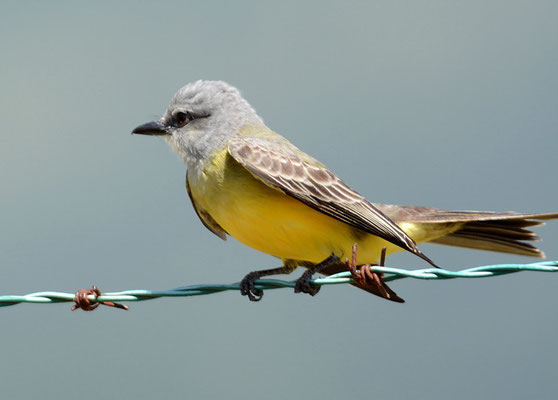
495	231
500	231
507	236
470	238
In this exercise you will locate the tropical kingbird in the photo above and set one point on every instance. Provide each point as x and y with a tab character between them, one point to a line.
246	181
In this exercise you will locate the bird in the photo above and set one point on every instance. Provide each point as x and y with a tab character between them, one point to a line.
250	183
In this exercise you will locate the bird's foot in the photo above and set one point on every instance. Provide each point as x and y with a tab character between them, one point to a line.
304	284
363	275
248	287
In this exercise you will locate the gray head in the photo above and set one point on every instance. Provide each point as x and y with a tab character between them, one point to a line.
200	119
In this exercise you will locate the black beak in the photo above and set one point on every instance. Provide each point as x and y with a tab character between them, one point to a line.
153	128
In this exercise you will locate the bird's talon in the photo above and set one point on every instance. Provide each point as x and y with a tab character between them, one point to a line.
256	295
248	288
304	284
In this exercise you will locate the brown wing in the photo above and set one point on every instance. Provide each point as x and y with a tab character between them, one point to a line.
206	219
485	230
281	165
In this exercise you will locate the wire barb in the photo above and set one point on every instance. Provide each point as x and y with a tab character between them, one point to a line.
95	297
363	275
83	300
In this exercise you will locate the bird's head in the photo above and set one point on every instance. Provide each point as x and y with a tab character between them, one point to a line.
201	118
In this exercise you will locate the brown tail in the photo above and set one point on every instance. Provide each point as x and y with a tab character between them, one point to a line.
503	236
495	231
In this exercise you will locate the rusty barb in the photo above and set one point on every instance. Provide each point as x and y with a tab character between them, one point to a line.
82	300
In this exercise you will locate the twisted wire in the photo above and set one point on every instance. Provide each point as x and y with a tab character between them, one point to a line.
390	273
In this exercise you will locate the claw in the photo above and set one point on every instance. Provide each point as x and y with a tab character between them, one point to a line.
248	288
304	284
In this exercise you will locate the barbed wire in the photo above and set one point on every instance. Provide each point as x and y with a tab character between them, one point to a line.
91	298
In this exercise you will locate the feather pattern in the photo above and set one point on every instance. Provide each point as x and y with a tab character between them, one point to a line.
282	166
484	230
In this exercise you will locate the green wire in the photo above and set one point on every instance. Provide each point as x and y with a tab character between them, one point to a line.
391	274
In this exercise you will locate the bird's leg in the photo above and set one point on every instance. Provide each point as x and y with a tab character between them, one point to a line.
364	277
248	288
303	283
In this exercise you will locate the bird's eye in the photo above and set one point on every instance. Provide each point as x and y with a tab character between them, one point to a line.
182	118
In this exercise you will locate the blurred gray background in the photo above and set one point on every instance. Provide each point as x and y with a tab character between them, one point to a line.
426	103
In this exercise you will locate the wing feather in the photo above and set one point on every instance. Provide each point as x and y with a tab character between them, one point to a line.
282	166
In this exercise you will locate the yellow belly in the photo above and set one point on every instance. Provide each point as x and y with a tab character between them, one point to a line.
272	222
